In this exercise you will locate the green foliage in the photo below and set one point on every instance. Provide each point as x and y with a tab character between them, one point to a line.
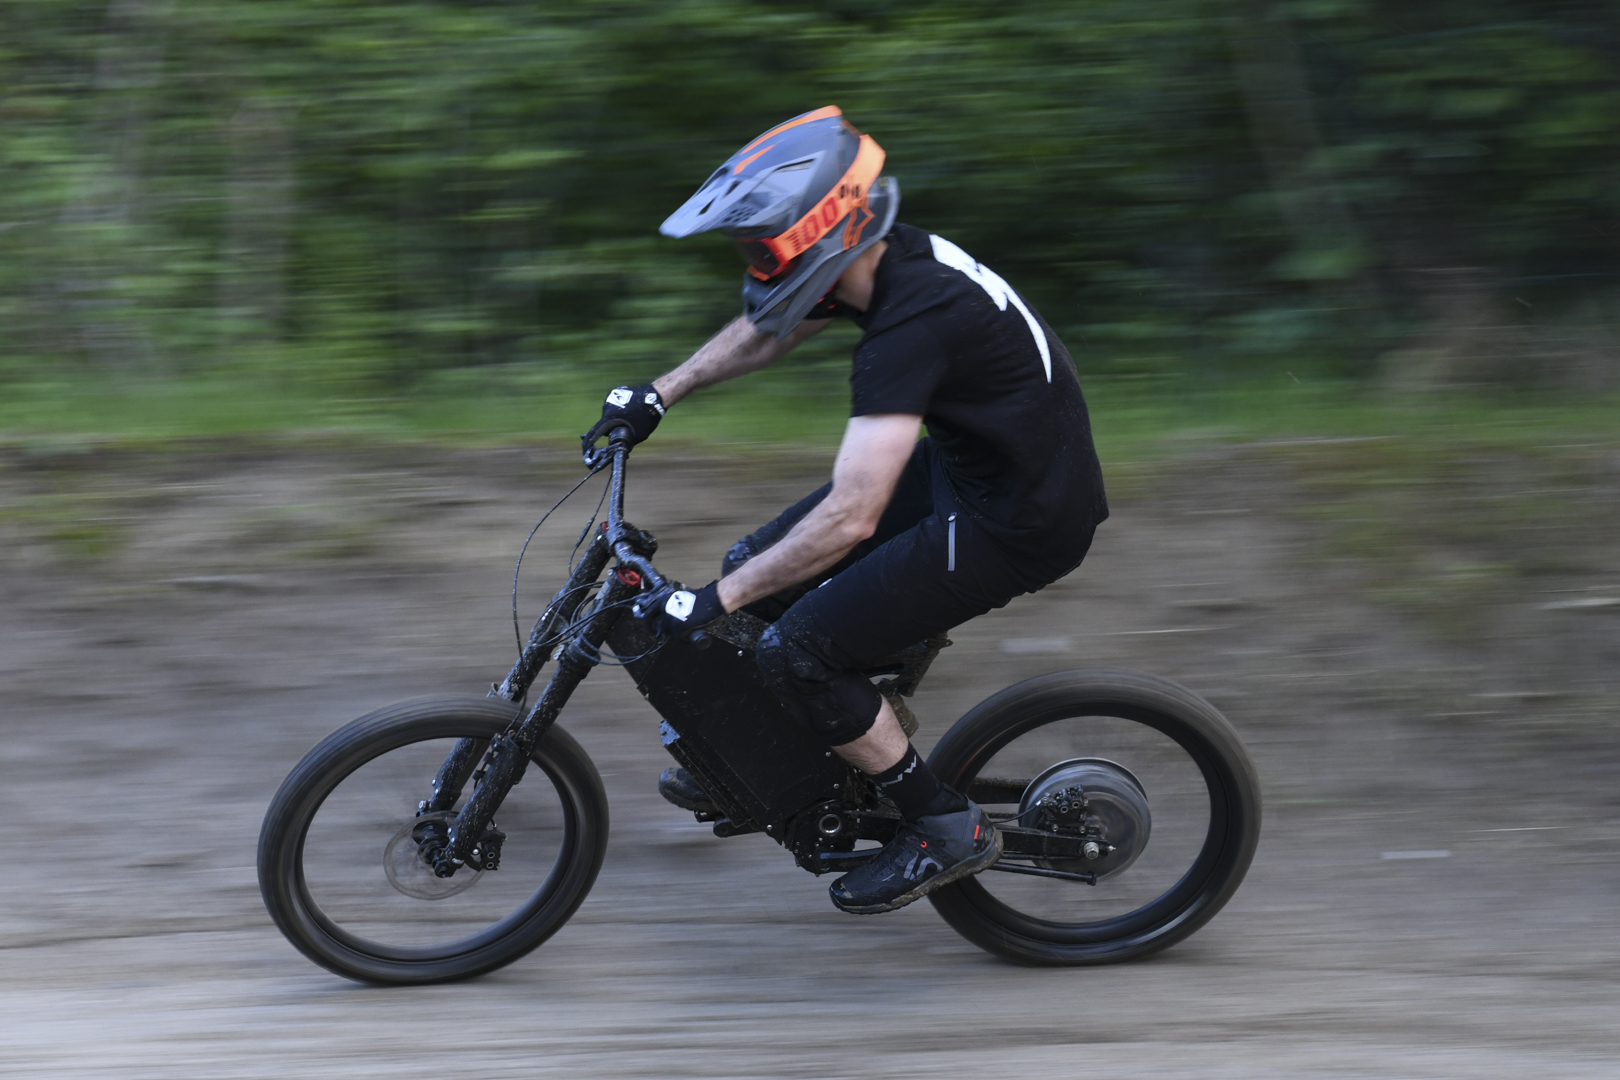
360	199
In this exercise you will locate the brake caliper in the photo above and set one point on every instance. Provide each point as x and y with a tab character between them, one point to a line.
1064	811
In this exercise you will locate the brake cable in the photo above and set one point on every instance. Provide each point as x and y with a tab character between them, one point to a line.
518	569
606	659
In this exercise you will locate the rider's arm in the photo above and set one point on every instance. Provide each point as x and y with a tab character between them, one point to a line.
874	453
736	350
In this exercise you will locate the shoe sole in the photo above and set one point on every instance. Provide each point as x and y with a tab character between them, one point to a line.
965	868
688	804
697	806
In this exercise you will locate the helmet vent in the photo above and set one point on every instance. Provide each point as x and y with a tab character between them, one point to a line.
705	209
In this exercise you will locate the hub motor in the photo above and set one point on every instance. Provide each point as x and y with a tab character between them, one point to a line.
1094	798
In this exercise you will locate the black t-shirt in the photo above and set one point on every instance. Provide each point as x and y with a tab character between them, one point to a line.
948	340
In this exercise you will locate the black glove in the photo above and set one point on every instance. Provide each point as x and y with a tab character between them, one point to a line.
674	612
635	408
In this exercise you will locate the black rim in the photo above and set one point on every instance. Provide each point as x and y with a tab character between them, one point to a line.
460	947
1160	915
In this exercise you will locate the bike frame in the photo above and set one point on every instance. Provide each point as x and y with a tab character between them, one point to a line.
764	771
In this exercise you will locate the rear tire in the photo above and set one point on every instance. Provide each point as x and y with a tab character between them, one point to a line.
579	837
1124	699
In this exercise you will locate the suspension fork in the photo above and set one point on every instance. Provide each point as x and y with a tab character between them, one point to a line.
562	609
458	767
509	752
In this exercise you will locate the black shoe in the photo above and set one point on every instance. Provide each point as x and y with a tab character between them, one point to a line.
677	785
924	854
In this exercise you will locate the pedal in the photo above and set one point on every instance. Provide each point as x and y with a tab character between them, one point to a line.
724	827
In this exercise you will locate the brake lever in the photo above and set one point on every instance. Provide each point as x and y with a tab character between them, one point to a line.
596	458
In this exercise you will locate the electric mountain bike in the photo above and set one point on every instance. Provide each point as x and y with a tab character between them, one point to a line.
438	840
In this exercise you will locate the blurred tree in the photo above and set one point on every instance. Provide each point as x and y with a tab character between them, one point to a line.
369	193
1328	246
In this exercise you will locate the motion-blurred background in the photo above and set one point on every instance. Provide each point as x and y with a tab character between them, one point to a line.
227	215
303	303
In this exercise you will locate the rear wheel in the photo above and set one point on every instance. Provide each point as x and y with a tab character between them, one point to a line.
340	872
1161	778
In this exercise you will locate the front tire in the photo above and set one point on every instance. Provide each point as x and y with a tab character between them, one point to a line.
1204	832
326	836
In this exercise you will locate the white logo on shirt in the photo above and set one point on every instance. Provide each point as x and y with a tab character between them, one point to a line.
992	283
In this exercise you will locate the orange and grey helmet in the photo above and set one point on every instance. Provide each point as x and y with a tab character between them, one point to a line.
801	202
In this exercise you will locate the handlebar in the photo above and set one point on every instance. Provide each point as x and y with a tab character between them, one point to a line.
619	447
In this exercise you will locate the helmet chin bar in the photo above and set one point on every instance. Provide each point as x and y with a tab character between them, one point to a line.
829	308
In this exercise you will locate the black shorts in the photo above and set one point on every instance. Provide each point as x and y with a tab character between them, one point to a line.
930	566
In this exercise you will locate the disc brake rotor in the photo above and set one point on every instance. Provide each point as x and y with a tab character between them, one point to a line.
1095	798
409	873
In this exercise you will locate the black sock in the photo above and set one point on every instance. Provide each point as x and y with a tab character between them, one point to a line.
915	790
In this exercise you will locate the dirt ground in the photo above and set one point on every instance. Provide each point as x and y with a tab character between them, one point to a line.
177	630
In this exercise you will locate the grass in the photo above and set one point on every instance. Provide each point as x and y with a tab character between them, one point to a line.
792	404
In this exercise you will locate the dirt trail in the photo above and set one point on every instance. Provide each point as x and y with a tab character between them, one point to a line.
228	611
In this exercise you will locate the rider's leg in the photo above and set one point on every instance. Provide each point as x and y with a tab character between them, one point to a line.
885	754
825	690
912	501
944	836
936	575
881	748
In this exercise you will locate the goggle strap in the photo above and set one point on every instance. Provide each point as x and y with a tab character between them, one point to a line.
852	191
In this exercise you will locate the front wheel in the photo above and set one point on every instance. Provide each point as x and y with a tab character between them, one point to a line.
339	869
1148	768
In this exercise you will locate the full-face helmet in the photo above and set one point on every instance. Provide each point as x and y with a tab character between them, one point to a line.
801	202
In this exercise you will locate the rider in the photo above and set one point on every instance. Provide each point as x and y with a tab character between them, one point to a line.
912	536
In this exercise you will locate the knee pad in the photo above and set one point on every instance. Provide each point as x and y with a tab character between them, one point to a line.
836	704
